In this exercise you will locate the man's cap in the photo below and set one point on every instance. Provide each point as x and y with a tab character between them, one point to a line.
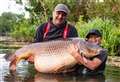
62	7
94	32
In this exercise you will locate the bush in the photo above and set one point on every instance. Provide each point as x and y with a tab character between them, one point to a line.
111	33
23	31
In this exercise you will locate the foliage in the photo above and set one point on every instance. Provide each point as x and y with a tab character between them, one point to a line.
41	10
111	33
108	9
86	14
23	31
7	20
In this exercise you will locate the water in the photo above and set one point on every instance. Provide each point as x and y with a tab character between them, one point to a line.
26	73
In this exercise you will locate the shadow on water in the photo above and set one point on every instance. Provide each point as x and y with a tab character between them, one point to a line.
26	73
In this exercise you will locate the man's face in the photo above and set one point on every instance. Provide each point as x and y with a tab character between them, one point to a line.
59	17
95	39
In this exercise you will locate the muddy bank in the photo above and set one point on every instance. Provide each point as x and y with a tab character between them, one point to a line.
113	61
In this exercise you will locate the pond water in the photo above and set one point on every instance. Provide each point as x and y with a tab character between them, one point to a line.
26	73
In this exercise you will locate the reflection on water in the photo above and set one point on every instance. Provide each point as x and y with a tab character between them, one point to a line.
4	70
26	73
66	78
53	78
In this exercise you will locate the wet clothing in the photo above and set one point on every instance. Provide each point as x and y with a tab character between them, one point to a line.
82	70
54	32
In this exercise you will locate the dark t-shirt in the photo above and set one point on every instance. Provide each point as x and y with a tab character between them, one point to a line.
54	32
82	70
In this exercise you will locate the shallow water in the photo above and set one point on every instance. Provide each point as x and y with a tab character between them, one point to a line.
26	73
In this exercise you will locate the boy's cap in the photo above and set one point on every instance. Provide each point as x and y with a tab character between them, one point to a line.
94	32
62	7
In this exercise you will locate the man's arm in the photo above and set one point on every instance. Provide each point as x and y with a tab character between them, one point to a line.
16	59
91	64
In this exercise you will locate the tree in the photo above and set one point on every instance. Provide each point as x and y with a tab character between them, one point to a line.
7	20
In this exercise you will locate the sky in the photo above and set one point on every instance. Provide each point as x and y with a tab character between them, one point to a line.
11	6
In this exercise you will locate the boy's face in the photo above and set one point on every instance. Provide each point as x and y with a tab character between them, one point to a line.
94	39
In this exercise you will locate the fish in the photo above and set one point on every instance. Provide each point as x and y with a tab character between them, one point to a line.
53	56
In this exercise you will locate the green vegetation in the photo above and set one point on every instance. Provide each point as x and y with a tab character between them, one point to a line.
85	14
7	20
111	33
23	31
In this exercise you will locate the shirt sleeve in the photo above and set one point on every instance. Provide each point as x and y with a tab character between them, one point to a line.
73	32
102	55
39	34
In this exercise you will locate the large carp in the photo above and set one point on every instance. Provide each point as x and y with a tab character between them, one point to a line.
53	56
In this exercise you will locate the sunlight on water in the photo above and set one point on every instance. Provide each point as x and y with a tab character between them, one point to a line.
4	68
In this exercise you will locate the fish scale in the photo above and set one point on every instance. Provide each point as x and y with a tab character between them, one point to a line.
55	47
53	56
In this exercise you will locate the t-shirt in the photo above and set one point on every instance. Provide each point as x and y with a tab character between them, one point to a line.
54	32
81	69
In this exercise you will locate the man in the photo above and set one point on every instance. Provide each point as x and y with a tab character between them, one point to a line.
57	27
94	65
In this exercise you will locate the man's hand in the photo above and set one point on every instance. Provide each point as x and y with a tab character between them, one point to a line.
12	67
72	49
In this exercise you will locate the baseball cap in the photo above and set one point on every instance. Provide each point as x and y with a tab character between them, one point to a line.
94	32
62	7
